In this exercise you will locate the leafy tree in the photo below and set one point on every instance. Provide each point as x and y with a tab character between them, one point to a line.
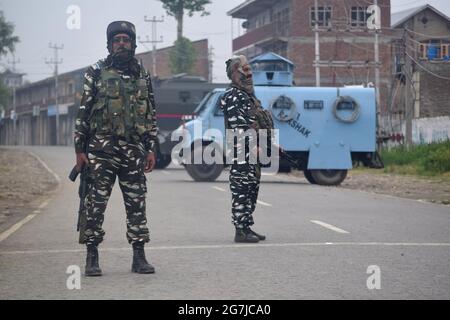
4	96
7	39
177	9
7	44
182	56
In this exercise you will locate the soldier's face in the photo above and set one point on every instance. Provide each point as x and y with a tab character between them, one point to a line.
121	42
243	76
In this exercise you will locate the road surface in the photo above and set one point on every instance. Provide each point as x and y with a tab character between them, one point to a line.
322	243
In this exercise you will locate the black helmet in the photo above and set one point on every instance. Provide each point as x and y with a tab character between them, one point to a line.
117	27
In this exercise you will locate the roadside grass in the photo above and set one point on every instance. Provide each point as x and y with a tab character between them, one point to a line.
431	161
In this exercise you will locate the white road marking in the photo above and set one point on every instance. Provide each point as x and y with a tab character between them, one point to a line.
43	204
165	172
329	226
243	246
15	227
264	203
58	179
219	189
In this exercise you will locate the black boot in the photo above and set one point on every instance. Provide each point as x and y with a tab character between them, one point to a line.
260	236
245	236
140	264
92	268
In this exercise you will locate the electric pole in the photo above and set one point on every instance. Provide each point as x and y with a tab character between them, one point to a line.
13	63
407	71
317	42
377	65
56	61
154	40
210	61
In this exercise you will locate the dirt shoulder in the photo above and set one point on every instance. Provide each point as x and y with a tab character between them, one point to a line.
430	189
23	180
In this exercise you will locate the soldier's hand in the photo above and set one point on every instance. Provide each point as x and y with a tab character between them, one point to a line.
150	162
82	159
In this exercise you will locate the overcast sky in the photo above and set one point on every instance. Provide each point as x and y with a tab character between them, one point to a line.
39	22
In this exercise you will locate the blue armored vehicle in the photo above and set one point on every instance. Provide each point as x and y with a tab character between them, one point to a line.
326	130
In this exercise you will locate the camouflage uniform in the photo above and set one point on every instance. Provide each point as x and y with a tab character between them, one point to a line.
117	113
245	177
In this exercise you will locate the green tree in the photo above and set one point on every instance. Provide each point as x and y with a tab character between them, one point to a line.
177	9
7	39
182	56
7	44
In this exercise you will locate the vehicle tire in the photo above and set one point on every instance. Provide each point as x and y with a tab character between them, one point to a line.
309	176
162	161
329	177
204	172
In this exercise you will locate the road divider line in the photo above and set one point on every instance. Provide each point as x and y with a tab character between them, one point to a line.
264	203
329	226
240	246
219	189
58	179
4	235
43	204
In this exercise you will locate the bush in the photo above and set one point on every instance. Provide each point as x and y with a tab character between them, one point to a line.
424	159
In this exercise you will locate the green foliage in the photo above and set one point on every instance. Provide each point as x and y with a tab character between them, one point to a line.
424	159
177	7
7	40
182	56
5	94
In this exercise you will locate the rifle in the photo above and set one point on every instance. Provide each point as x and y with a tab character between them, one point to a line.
82	192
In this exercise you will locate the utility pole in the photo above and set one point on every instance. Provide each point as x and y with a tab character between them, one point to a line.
377	66
154	40
317	41
14	62
407	70
56	61
210	61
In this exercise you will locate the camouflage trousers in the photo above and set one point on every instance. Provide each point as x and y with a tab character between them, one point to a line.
108	159
244	186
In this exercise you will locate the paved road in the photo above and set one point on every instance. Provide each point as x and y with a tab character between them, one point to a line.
320	244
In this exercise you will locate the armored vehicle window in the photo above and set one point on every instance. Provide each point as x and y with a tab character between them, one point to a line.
270	66
218	112
201	107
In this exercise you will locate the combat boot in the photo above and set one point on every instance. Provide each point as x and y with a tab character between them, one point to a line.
245	236
92	268
140	264
260	236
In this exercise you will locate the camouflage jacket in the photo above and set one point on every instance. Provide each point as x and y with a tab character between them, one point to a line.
92	89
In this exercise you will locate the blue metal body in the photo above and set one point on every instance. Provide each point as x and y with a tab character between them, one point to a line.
307	120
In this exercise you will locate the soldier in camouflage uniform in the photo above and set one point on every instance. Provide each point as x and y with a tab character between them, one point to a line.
238	104
115	135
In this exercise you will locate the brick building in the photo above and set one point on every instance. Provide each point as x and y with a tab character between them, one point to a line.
422	48
286	28
202	66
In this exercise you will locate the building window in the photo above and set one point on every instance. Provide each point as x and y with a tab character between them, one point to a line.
359	16
324	16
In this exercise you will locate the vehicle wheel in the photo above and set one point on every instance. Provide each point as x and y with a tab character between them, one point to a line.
309	176
163	161
329	177
203	172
